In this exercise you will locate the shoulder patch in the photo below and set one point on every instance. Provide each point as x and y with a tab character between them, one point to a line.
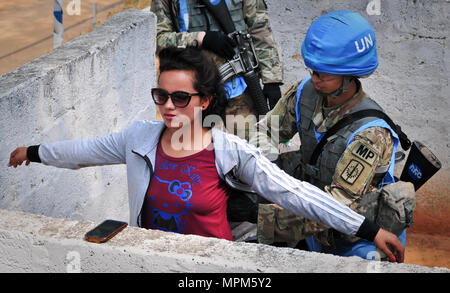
352	171
365	152
356	167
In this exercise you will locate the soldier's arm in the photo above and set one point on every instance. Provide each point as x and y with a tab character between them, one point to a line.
278	125
166	29
267	50
365	160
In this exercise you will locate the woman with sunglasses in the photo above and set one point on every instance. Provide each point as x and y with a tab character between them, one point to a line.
176	168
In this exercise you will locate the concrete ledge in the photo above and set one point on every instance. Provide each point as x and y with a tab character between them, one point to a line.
32	243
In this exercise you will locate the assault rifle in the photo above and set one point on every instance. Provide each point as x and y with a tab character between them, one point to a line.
244	62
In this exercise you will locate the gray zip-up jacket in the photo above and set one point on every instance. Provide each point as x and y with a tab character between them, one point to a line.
136	147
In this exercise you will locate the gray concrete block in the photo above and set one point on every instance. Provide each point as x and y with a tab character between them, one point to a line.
32	243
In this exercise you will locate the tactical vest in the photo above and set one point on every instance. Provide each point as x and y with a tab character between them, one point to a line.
322	173
201	20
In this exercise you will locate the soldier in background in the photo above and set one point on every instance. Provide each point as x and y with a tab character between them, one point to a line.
356	162
188	23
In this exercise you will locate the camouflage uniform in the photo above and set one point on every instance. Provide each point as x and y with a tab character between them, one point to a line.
344	187
257	21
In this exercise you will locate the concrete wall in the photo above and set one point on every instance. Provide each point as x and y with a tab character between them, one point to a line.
411	82
32	243
94	85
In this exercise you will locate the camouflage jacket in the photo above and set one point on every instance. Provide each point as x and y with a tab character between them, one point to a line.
280	125
257	20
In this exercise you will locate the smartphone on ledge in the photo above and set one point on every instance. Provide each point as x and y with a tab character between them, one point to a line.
105	231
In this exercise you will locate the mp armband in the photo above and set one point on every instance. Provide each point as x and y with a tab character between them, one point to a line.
356	168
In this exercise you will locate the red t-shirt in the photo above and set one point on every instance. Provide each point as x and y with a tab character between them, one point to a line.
186	195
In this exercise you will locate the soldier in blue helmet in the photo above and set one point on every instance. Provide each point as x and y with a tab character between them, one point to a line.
357	161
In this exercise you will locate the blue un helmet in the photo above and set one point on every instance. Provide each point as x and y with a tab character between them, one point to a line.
342	43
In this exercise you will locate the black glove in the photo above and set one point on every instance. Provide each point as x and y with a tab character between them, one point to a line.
219	43
272	93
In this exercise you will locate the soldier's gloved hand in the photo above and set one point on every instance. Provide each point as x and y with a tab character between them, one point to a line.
219	43
272	93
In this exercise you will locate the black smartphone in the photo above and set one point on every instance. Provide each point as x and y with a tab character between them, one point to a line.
105	231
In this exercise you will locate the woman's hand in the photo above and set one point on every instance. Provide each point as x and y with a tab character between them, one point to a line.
386	241
18	156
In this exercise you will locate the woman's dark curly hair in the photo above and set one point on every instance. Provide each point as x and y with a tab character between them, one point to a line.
207	77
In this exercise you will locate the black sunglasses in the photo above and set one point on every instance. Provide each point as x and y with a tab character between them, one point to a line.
179	99
318	74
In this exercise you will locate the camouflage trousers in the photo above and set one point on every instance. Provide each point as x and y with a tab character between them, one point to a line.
241	116
276	224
